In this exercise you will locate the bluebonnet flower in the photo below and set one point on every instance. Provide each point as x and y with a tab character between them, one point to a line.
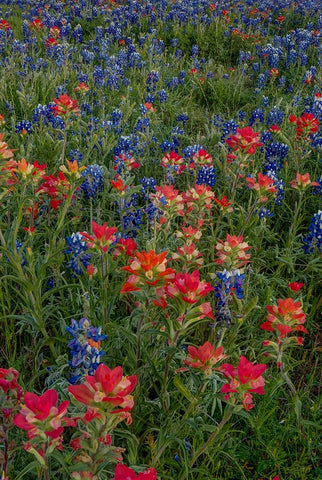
150	98
318	189
152	212
313	241
23	127
162	95
85	348
229	127
194	50
93	180
152	80
275	116
274	154
21	252
183	117
206	176
148	185
230	283
75	155
266	136
257	115
263	212
77	248
132	221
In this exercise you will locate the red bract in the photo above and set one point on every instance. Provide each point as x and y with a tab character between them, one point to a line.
301	182
173	160
188	287
224	205
188	254
264	186
306	125
245	141
204	357
295	287
201	158
102	236
168	199
64	106
106	389
285	317
231	252
198	198
148	268
5	151
245	380
8	379
40	414
122	472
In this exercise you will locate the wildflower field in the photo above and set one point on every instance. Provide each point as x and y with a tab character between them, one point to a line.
160	239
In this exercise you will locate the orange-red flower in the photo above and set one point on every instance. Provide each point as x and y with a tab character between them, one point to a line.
301	182
245	379
245	141
148	268
118	185
64	106
41	414
102	236
173	160
5	152
106	389
122	472
264	186
204	357
285	317
82	88
231	252
202	157
189	288
224	205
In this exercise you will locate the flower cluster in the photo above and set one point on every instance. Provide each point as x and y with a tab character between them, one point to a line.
85	348
244	380
284	318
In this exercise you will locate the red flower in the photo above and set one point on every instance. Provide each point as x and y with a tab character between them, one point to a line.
36	24
285	317
4	25
202	157
204	357
8	379
174	161
108	388
188	287
245	140
224	205
64	106
245	380
118	185
122	472
263	186
303	181
295	287
82	88
148	268
41	414
231	252
103	236
51	42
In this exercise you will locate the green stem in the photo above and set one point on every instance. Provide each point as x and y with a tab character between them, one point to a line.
210	439
64	144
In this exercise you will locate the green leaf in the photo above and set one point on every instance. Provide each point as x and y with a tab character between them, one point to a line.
27	469
183	389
